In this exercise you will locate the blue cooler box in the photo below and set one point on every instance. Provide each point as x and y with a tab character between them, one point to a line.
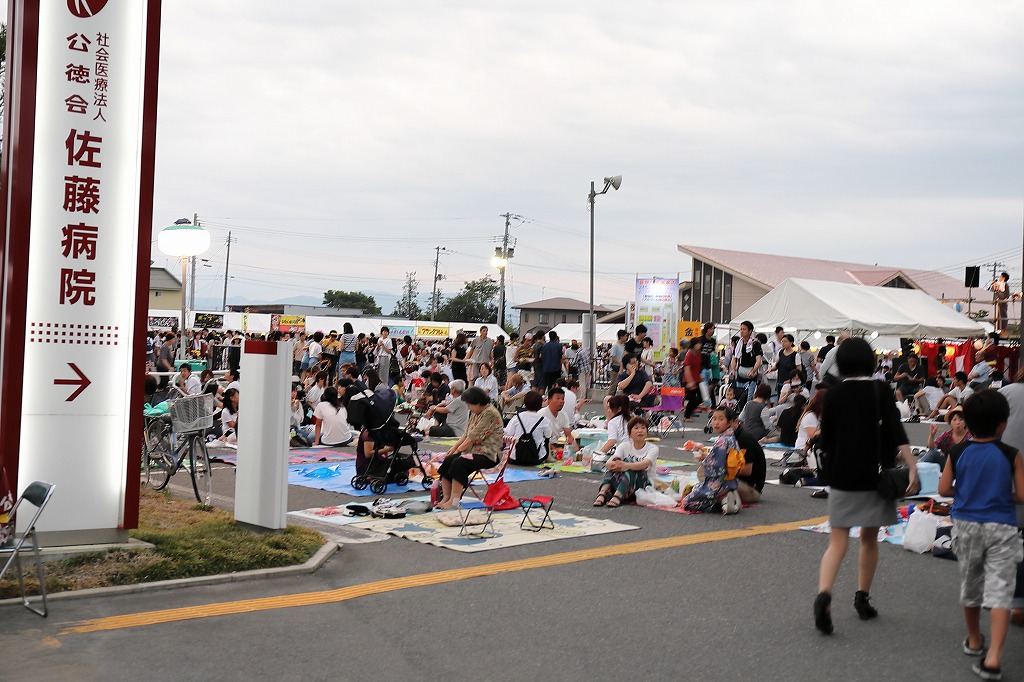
928	473
587	437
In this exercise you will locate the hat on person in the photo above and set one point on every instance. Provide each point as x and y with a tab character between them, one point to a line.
956	410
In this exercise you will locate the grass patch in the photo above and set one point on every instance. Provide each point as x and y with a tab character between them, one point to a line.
189	540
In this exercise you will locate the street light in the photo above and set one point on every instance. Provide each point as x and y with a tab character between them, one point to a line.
500	261
590	329
183	240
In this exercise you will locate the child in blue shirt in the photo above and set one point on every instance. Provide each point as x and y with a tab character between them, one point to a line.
985	478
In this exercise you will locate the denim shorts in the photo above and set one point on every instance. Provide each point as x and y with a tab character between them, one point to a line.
988	554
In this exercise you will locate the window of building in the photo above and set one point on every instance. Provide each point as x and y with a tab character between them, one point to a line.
526	317
563	319
542	318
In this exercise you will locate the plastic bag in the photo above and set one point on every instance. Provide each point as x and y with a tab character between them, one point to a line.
920	534
649	497
705	393
423	424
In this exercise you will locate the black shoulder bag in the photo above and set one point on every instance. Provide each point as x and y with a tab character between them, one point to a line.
892	482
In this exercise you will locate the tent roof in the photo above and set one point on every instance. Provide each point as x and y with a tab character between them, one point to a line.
807	304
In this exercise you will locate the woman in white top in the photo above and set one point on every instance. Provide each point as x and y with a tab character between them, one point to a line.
487	382
630	468
525	421
229	416
616	411
331	420
810	422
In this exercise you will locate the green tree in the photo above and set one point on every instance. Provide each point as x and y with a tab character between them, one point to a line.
477	302
351	299
407	306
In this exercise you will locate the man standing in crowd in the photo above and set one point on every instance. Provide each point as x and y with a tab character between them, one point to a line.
635	345
480	351
828	371
615	355
551	354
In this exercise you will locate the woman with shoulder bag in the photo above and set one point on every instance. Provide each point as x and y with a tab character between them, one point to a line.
860	435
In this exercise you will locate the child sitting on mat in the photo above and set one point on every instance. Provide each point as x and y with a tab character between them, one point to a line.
630	468
706	495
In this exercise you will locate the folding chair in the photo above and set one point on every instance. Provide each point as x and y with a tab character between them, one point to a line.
671	408
37	494
538	503
465	511
489	476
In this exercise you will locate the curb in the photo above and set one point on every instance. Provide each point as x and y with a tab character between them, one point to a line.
314	563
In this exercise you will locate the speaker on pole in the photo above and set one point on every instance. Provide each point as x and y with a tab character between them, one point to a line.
972	277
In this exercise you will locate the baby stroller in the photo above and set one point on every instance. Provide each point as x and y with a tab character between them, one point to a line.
392	467
725	385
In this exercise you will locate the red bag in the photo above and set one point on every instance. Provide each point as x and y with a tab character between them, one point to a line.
499	496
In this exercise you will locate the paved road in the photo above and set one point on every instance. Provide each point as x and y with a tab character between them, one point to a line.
711	606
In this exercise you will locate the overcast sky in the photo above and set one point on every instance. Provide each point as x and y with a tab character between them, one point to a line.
343	141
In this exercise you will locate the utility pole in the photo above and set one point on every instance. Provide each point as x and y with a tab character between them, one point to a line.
192	259
501	260
227	264
433	295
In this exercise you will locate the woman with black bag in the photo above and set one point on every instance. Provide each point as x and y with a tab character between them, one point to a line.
860	435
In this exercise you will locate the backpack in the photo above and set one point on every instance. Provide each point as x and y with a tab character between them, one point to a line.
527	452
371	409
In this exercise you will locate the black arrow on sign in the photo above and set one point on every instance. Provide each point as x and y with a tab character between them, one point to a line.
82	382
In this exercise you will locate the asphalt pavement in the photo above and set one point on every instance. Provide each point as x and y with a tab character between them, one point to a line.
685	597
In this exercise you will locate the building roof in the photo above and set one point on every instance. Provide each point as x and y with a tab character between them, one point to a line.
163	279
561	303
770	270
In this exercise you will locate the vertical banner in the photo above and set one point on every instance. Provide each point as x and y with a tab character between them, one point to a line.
657	308
79	209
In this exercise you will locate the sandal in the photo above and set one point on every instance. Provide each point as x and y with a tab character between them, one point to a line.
615	501
970	651
602	500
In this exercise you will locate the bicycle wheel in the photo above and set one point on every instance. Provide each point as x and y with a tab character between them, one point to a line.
199	469
157	457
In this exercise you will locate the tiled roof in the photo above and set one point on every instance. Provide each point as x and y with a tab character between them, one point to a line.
770	270
561	303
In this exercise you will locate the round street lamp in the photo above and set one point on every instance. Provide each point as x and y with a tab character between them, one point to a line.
183	240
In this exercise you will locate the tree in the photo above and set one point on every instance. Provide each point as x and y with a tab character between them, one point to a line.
351	299
407	306
477	302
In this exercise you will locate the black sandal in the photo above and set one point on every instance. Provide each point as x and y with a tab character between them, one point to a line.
602	500
616	501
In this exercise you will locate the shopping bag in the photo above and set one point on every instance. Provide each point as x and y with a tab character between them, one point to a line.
499	496
920	534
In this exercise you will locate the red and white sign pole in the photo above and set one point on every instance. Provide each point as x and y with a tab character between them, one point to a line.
77	204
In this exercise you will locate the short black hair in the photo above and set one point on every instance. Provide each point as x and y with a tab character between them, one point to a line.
961	376
555	390
641	329
763	391
627	357
475	395
855	358
730	414
830	339
984	411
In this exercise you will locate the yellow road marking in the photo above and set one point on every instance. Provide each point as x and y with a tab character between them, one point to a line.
423	579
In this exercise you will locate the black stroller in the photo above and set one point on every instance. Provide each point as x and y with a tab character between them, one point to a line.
392	467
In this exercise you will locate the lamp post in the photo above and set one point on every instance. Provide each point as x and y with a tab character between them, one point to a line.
502	254
183	240
590	328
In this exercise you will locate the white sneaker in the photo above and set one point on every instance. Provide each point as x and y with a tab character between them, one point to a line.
731	503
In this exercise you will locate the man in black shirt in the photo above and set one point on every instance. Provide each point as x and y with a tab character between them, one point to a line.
909	378
830	343
750	481
636	344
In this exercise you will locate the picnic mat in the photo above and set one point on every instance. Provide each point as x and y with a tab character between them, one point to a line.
337	478
295	456
428	530
665	464
893	534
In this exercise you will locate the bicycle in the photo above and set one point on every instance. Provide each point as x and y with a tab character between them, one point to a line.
184	423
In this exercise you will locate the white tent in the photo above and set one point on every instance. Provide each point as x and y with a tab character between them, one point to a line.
567	331
807	304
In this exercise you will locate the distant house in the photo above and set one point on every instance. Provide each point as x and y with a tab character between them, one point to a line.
294	309
543	315
164	290
726	283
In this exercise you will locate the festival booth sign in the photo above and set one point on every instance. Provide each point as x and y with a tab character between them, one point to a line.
657	308
207	320
567	331
806	304
77	177
687	330
156	322
432	331
288	323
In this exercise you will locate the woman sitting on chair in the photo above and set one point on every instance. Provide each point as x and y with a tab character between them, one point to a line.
479	448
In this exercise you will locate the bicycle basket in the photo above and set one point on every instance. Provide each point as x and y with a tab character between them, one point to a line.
192	413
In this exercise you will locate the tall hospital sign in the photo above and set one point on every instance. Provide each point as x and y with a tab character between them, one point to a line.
77	203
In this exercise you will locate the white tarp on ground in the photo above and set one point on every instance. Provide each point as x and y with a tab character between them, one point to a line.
807	304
